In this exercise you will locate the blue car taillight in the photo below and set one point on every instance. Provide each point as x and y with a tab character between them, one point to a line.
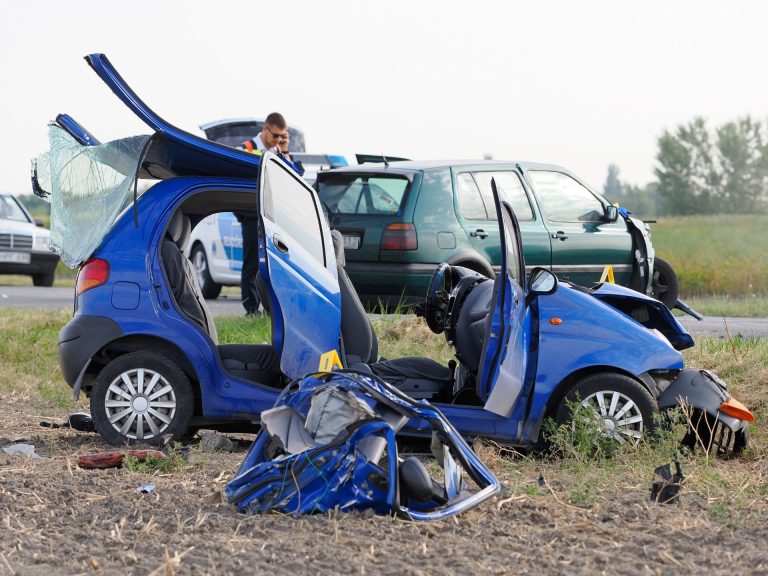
399	236
94	272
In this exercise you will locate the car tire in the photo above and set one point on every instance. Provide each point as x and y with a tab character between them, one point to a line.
208	287
43	279
476	267
140	398
613	396
664	286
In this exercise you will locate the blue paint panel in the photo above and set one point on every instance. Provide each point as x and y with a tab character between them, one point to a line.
125	295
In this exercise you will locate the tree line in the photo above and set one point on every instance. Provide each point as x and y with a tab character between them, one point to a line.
702	171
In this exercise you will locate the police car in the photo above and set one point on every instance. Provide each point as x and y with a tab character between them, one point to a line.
216	245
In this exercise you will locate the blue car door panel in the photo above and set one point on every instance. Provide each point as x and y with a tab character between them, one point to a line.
503	361
297	264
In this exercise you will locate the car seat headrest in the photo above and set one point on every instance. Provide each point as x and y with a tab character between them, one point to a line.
186	230
176	226
338	247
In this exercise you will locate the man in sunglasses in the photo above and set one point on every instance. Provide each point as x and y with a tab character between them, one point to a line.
273	137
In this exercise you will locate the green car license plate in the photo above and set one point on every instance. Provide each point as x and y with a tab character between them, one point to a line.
351	241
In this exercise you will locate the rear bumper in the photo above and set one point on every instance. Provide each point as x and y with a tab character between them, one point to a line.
79	340
390	282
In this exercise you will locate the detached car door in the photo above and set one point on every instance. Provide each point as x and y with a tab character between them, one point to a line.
298	266
501	375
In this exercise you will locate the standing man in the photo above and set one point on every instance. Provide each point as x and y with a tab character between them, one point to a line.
274	138
274	132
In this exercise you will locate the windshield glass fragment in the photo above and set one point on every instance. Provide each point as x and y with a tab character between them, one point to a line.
88	187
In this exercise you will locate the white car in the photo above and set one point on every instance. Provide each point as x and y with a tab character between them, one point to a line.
216	251
24	244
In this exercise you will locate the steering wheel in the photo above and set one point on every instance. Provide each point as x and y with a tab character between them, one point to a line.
438	298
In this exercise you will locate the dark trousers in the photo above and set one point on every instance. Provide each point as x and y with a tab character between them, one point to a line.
250	274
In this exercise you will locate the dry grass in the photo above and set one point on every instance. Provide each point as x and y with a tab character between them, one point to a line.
409	336
719	254
587	513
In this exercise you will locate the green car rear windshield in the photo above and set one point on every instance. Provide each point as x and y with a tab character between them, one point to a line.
363	194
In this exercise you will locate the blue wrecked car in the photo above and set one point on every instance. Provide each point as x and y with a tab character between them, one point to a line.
329	443
142	343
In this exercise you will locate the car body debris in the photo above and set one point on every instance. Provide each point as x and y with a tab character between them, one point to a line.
329	443
114	458
21	450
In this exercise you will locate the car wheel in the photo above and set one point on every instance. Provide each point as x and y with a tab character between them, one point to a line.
208	287
622	407
475	267
664	286
43	279
141	397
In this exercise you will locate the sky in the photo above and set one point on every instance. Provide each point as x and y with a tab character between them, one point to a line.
580	84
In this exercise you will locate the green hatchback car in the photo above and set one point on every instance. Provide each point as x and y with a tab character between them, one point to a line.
401	219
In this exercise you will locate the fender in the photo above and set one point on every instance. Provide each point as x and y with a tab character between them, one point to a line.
703	390
646	310
471	257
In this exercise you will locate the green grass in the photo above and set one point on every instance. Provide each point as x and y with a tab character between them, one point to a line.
577	475
715	255
737	306
244	329
152	464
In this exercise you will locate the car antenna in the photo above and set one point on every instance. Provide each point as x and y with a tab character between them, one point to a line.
386	162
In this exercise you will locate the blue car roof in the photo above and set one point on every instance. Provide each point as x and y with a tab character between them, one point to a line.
174	152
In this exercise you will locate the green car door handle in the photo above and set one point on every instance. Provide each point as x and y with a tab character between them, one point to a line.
559	235
479	233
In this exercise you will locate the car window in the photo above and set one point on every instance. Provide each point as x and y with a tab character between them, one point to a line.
10	210
234	133
351	194
510	189
294	209
563	199
471	203
511	234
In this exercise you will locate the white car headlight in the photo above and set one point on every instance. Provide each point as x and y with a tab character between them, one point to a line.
41	242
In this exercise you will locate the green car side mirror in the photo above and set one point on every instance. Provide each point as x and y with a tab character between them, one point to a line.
611	213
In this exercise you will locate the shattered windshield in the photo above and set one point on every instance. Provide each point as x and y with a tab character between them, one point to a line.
88	187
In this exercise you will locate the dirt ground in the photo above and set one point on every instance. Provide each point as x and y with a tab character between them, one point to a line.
58	519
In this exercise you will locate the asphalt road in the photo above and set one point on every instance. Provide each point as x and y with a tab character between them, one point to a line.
48	298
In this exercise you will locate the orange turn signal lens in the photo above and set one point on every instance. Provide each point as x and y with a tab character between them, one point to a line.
734	408
555	321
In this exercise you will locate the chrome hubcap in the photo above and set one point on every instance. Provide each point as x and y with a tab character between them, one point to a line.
201	267
617	415
140	404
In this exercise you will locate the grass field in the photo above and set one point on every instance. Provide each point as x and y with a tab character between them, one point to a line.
30	356
716	255
576	511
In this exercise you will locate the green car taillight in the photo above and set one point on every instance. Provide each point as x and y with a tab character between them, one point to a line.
399	236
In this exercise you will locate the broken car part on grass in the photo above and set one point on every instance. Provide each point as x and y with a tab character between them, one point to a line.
329	443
